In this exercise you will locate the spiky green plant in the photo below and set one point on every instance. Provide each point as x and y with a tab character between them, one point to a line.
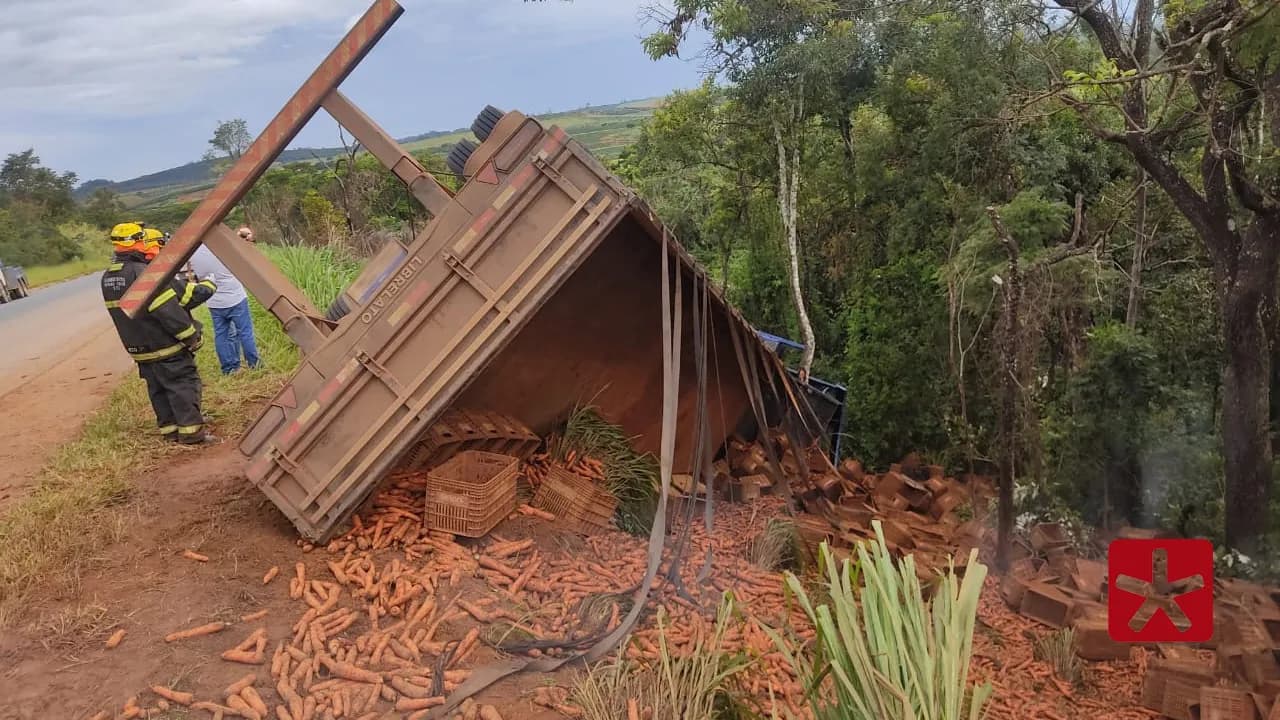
630	476
892	656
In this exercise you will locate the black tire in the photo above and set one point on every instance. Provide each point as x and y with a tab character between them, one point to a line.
338	309
23	289
457	160
486	121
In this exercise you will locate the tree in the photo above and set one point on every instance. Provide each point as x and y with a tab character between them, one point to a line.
24	180
103	208
1193	120
230	139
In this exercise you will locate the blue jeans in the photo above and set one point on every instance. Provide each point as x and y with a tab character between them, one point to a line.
233	332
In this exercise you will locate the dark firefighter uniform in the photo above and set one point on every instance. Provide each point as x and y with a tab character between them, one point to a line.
163	339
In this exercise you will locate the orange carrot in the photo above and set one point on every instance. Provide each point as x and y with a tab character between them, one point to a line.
255	701
404	704
182	698
192	555
115	639
254	616
282	714
348	671
538	513
243	656
271	574
466	645
195	632
242	708
244	682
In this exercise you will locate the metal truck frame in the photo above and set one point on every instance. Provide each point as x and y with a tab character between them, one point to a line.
534	289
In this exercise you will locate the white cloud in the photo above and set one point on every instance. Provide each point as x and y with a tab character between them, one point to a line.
114	58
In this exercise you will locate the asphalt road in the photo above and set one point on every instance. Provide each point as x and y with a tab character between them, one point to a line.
51	325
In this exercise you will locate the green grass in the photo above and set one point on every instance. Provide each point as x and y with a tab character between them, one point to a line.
78	505
95	254
49	274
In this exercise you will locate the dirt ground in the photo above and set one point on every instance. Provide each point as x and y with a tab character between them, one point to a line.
58	667
47	404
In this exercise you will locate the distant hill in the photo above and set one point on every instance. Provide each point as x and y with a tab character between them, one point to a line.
605	129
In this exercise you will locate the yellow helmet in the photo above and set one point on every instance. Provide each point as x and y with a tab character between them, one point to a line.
153	235
127	233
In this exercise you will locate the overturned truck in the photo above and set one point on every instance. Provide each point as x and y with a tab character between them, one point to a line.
536	287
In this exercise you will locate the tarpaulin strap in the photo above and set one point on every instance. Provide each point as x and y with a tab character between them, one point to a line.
806	414
751	379
671	336
708	514
700	457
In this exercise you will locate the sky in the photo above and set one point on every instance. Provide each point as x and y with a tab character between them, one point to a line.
119	88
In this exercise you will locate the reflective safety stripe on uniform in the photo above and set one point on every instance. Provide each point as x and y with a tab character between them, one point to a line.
158	354
168	429
161	299
189	429
187	293
115	266
186	333
112	304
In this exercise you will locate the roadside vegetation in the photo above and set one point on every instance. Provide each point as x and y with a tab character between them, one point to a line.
92	255
80	504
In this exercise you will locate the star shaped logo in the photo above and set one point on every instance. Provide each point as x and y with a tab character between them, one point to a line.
1160	590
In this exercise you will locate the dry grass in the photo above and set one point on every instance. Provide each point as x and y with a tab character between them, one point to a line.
777	547
685	687
1058	649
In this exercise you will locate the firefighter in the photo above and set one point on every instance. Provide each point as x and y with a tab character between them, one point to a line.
163	339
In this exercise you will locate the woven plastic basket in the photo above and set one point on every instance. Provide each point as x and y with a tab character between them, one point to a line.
471	492
583	505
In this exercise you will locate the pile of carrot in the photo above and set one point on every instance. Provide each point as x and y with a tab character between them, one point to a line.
535	469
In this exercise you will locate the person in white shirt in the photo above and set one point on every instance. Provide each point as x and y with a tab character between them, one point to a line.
229	306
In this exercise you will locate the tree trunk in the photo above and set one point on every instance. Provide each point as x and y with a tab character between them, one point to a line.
1010	331
1139	252
788	192
1248	305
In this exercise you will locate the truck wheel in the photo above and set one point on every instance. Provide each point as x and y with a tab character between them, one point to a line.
337	309
24	290
457	160
486	121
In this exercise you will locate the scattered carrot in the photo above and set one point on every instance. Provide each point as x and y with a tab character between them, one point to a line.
242	708
404	704
633	709
244	682
243	656
195	632
182	698
489	712
255	701
115	639
538	513
192	555
271	574
254	616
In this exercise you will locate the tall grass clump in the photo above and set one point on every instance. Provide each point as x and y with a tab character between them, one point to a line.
630	476
886	653
319	272
689	686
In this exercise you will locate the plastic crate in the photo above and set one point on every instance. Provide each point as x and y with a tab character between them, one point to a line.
471	492
582	504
